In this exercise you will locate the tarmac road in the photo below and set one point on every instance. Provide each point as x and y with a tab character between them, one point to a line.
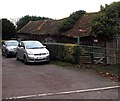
22	81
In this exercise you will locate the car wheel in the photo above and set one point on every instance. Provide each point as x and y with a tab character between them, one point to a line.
25	60
17	57
47	62
6	54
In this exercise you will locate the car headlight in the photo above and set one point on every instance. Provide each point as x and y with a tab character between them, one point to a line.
47	53
29	53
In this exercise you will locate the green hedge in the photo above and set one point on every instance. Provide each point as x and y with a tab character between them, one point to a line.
63	52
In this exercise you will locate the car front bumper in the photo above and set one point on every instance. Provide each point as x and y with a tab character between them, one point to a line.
11	52
38	59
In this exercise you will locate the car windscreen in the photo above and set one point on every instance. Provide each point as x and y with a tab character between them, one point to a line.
11	43
33	45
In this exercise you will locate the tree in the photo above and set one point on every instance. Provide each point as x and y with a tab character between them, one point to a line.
71	20
24	20
105	24
8	29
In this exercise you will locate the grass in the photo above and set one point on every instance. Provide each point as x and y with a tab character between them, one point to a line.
105	70
113	69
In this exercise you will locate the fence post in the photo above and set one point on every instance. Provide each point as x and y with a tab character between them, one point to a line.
78	42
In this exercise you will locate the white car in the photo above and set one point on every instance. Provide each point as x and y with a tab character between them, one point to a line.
9	47
32	51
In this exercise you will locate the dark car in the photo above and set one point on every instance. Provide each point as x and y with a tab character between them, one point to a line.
9	47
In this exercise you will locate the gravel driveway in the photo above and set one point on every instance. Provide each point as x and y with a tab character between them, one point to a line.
24	80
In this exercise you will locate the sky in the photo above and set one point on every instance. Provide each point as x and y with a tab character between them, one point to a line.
55	9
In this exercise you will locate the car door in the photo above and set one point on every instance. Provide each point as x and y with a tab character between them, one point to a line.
20	50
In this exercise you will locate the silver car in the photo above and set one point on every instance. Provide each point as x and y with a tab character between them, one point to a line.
32	51
9	47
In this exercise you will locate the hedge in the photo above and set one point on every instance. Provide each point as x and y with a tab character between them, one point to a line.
63	52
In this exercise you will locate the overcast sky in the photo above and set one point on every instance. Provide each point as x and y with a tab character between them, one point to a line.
56	9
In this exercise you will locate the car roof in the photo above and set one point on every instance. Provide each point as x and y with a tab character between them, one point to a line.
11	41
29	41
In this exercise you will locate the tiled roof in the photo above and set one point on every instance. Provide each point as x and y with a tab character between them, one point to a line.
30	26
44	27
82	27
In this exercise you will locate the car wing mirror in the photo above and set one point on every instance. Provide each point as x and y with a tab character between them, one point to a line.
23	47
19	45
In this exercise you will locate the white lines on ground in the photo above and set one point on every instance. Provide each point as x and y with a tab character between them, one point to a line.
66	92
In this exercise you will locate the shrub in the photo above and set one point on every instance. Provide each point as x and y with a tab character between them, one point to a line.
63	52
71	20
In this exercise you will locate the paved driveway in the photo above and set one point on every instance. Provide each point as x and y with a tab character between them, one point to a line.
23	81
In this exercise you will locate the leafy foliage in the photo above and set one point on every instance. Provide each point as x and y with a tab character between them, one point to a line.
71	20
63	52
106	24
8	29
24	20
